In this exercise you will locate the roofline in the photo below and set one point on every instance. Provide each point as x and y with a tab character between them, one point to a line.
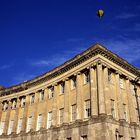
85	55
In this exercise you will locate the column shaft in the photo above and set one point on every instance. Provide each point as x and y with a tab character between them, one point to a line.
79	97
131	105
119	98
35	111
107	92
101	95
16	116
54	106
7	120
93	90
25	113
66	102
44	122
1	112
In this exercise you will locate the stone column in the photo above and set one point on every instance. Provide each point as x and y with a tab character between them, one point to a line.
54	106
79	98
25	113
107	91
93	90
1	106
16	116
44	117
131	105
118	95
101	96
66	101
7	120
35	111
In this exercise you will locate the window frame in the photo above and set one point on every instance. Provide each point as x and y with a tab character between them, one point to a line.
87	109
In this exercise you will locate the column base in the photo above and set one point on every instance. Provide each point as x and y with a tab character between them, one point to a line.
103	115
94	116
79	120
133	123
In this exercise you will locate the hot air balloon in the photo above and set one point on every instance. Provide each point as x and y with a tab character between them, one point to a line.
100	13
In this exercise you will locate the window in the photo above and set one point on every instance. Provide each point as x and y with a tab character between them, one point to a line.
68	138
51	92
61	111
29	124
87	109
121	83
125	112
14	103
5	106
2	126
19	128
74	112
32	99
73	83
113	108
86	77
10	128
23	102
62	87
49	122
42	95
39	122
84	137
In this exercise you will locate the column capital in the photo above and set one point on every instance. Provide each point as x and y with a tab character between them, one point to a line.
54	84
118	72
104	65
78	73
93	65
99	62
88	67
128	78
67	79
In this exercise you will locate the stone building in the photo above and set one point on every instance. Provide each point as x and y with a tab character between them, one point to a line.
90	97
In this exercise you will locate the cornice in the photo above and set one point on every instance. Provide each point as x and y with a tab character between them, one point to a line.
68	65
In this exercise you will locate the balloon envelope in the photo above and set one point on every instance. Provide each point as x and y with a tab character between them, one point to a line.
100	13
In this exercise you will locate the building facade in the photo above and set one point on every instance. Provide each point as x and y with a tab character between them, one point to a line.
90	97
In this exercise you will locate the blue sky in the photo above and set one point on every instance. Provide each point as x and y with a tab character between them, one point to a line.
36	36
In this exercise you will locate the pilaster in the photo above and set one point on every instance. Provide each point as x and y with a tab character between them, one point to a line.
44	122
93	90
118	95
79	97
25	114
106	90
35	112
131	105
7	120
1	111
54	106
101	96
16	116
66	101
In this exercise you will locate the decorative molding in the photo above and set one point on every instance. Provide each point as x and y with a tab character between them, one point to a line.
78	73
77	60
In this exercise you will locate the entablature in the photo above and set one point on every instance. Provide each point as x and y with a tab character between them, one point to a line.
77	60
